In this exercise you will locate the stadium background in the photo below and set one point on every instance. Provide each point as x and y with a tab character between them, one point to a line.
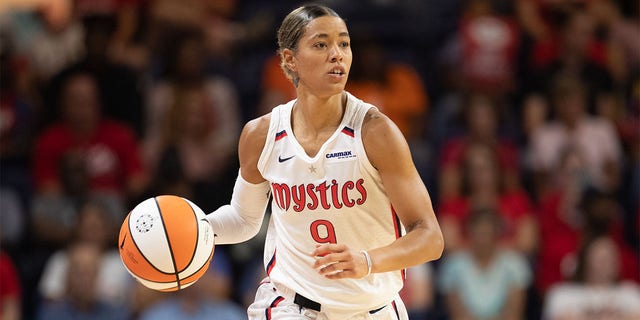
476	86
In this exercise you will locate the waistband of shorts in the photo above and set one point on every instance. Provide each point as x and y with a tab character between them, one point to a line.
308	303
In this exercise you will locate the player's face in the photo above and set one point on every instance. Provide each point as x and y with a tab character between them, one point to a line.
323	58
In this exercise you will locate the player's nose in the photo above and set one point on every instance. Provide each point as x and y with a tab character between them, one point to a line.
335	54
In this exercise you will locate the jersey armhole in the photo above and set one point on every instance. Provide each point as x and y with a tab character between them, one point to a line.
365	163
269	143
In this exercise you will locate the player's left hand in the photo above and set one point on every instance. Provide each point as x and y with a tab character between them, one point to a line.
337	261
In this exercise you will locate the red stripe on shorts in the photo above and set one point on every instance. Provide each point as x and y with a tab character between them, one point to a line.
395	308
274	304
271	264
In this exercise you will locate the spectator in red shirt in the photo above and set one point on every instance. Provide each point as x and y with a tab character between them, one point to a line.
489	43
572	214
621	28
10	291
105	151
483	189
596	292
574	52
482	54
481	119
80	155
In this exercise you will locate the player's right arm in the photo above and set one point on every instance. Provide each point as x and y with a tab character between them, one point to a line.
241	219
252	140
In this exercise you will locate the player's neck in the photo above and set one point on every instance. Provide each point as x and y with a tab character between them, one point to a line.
319	112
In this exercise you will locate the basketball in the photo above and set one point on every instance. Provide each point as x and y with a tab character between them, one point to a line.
166	243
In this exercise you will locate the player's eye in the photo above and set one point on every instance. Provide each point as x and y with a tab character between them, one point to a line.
344	44
320	45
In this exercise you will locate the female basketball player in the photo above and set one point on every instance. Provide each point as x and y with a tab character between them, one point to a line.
349	210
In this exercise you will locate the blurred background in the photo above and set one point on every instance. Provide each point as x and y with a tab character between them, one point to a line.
523	118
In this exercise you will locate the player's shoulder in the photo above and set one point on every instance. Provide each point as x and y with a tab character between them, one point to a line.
257	127
375	119
382	140
379	128
254	134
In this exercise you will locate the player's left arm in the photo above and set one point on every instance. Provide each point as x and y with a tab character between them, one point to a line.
389	153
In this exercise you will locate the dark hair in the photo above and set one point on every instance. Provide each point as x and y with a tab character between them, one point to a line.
293	27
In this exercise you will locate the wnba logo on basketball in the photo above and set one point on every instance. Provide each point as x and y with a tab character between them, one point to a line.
324	195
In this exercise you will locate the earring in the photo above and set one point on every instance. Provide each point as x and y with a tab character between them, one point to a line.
296	81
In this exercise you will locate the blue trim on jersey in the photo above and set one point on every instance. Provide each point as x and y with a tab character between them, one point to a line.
348	131
281	134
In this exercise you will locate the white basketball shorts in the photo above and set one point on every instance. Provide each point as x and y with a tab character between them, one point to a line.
281	303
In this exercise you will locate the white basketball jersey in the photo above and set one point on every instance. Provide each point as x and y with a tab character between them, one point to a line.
336	196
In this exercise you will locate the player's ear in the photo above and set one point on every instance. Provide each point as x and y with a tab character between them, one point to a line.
289	60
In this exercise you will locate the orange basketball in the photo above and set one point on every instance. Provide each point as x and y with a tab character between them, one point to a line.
166	243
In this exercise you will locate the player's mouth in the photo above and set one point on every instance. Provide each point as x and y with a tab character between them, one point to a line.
337	72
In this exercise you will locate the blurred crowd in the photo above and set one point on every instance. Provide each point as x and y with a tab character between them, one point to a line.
523	118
